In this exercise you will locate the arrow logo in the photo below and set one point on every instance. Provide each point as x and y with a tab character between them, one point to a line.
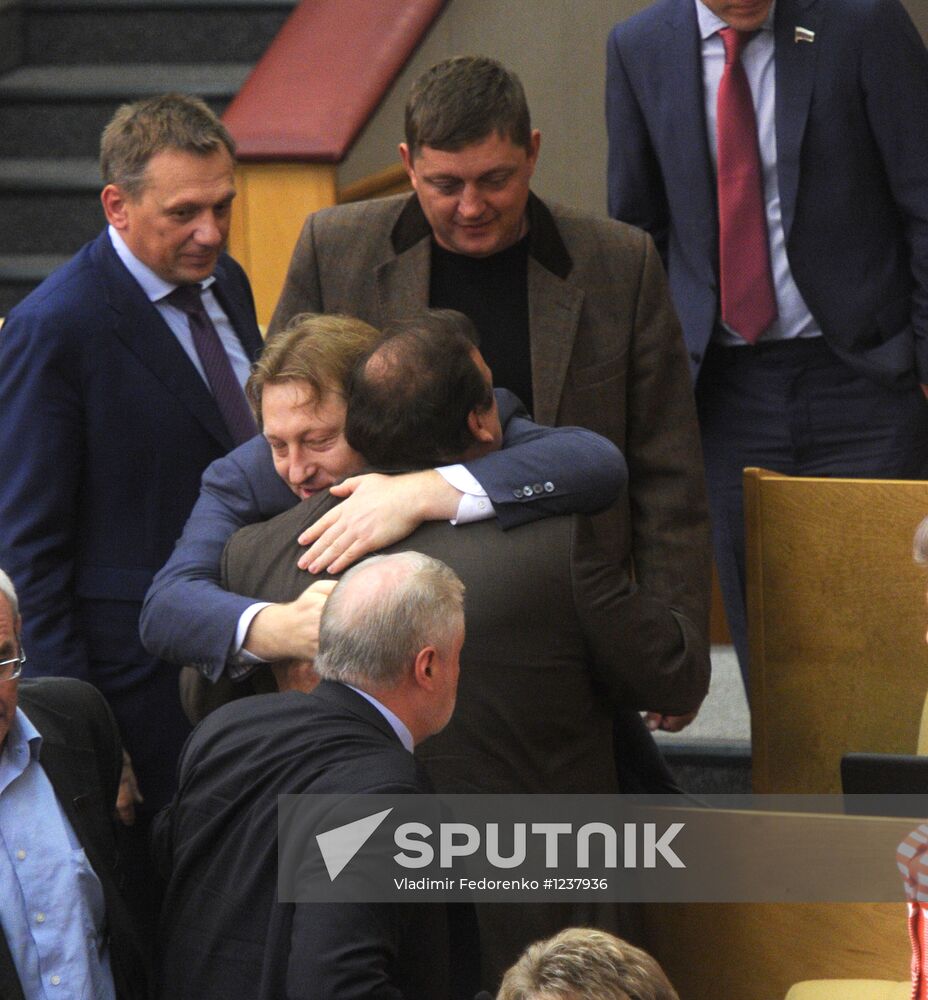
340	845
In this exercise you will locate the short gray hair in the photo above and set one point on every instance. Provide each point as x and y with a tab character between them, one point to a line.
9	592
139	131
382	613
585	964
920	544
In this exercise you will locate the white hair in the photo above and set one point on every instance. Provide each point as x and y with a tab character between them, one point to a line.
9	592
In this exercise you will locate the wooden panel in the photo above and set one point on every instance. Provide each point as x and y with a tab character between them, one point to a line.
757	951
268	213
836	616
391	180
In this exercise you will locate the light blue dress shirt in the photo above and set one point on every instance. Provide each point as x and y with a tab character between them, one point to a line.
396	723
794	318
52	911
155	288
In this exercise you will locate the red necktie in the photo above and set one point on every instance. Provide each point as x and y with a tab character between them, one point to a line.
748	301
911	859
219	373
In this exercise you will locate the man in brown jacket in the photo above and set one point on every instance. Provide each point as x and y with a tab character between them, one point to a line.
573	311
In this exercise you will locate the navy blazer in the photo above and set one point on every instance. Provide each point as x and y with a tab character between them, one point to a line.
106	429
852	135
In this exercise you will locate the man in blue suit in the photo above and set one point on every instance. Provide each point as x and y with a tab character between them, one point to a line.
833	383
113	404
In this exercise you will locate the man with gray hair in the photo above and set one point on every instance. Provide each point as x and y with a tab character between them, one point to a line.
389	644
63	925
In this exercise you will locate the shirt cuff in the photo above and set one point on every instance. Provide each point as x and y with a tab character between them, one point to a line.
240	662
474	504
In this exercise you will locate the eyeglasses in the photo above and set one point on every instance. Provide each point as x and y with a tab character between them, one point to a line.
11	669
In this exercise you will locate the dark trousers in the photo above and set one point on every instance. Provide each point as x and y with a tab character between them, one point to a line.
794	407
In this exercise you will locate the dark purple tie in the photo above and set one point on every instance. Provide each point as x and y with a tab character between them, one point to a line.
748	301
219	373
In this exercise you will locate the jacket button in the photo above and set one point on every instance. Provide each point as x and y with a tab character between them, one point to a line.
537	488
549	487
517	493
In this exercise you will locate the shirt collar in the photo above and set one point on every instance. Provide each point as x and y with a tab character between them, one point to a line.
710	23
396	723
154	286
21	733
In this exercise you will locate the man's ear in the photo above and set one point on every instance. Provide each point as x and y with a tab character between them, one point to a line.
406	157
425	667
478	423
114	206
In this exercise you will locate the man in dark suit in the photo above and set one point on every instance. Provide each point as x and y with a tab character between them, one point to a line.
63	924
834	126
389	645
573	311
114	401
559	639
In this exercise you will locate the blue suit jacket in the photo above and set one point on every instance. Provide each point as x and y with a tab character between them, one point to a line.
189	618
852	135
106	430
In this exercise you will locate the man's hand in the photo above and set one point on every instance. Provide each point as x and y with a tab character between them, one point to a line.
128	796
289	631
379	511
668	723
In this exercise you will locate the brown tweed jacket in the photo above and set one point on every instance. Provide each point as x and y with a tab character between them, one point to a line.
607	354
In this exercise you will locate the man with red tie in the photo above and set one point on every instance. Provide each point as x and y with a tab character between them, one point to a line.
775	151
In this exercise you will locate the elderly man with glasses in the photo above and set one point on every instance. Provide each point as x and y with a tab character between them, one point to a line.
64	929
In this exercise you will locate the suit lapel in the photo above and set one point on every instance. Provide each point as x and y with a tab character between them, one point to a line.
403	282
137	323
686	138
553	316
70	770
243	324
795	67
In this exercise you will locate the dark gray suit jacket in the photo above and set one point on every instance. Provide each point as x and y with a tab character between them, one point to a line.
557	640
224	933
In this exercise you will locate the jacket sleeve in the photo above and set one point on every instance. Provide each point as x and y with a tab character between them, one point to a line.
42	458
543	471
633	181
646	654
187	617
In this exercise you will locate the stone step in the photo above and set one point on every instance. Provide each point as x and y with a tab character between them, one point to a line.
20	273
61	110
48	206
68	32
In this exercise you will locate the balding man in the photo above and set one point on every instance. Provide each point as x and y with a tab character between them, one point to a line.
389	643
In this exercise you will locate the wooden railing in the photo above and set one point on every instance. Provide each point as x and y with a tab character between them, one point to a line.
299	113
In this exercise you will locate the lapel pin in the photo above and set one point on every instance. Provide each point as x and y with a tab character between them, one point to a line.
804	35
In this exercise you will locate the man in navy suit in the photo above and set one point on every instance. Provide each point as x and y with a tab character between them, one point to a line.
834	384
113	405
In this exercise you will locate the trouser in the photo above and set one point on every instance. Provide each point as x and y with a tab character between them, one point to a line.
794	407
